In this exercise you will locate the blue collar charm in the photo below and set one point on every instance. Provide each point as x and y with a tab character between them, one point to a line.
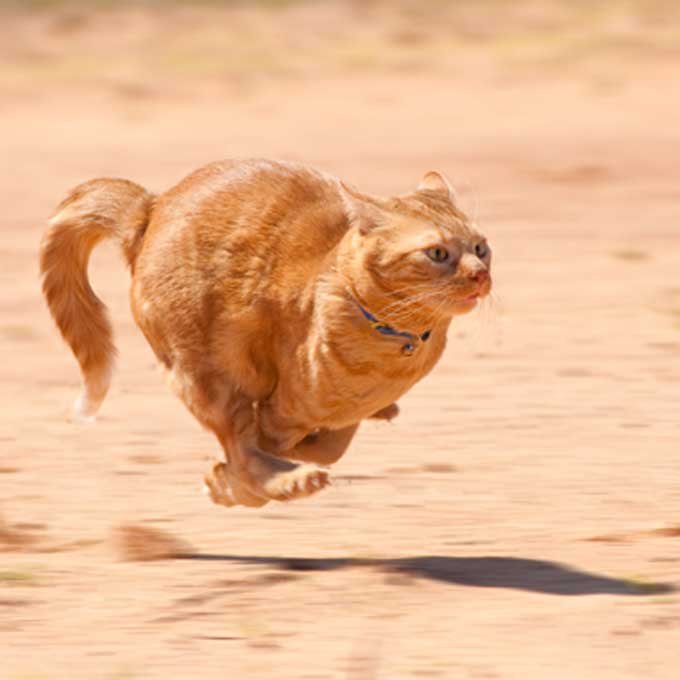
412	339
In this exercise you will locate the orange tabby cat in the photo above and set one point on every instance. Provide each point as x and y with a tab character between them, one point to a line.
285	306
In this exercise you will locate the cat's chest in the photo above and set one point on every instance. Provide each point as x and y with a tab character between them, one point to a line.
347	384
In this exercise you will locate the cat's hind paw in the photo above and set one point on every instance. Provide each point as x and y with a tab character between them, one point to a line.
224	488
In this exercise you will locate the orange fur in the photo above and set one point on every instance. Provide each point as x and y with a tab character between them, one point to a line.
247	281
92	211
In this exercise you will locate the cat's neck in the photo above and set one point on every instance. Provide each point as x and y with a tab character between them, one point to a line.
347	283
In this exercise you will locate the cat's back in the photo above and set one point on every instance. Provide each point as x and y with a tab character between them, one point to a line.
228	255
234	240
258	205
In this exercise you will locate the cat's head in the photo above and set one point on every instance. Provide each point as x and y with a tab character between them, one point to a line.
417	255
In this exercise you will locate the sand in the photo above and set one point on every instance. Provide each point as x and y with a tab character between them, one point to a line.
518	520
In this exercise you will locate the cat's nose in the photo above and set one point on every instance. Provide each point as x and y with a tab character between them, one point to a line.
481	276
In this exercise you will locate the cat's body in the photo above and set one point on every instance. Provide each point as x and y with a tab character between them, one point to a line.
257	284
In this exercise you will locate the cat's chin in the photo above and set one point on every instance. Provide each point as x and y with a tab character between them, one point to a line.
465	305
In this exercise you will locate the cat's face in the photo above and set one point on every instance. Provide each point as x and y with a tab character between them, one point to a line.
423	253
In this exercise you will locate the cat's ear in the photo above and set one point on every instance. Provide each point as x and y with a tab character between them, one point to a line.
436	181
362	211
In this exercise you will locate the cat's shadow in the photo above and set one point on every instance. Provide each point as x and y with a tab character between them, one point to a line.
537	576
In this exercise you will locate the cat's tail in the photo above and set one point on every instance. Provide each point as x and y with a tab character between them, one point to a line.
93	211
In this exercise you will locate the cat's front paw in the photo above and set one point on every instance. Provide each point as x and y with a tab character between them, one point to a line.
388	413
302	481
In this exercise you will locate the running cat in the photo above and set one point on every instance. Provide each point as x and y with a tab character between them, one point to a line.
285	305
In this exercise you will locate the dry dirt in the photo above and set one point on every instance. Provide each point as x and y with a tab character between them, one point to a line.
520	518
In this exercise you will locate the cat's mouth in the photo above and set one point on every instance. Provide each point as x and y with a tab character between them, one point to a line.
472	299
482	289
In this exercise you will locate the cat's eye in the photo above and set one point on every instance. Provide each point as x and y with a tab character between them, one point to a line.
437	254
481	250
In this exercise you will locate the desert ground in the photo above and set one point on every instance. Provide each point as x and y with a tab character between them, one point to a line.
521	518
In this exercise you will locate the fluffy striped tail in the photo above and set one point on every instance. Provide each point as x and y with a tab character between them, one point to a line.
101	208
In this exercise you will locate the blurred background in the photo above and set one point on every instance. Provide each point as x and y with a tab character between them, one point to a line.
528	493
361	87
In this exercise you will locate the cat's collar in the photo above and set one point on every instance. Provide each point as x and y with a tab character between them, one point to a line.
385	329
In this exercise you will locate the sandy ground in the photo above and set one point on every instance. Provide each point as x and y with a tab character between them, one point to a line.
520	519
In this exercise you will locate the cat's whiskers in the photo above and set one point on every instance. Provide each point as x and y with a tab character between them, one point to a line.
438	308
395	307
430	290
485	328
484	308
393	312
443	288
426	285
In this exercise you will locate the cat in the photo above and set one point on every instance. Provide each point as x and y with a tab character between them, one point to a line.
284	305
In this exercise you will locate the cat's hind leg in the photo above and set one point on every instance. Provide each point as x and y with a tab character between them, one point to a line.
249	476
253	477
210	400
